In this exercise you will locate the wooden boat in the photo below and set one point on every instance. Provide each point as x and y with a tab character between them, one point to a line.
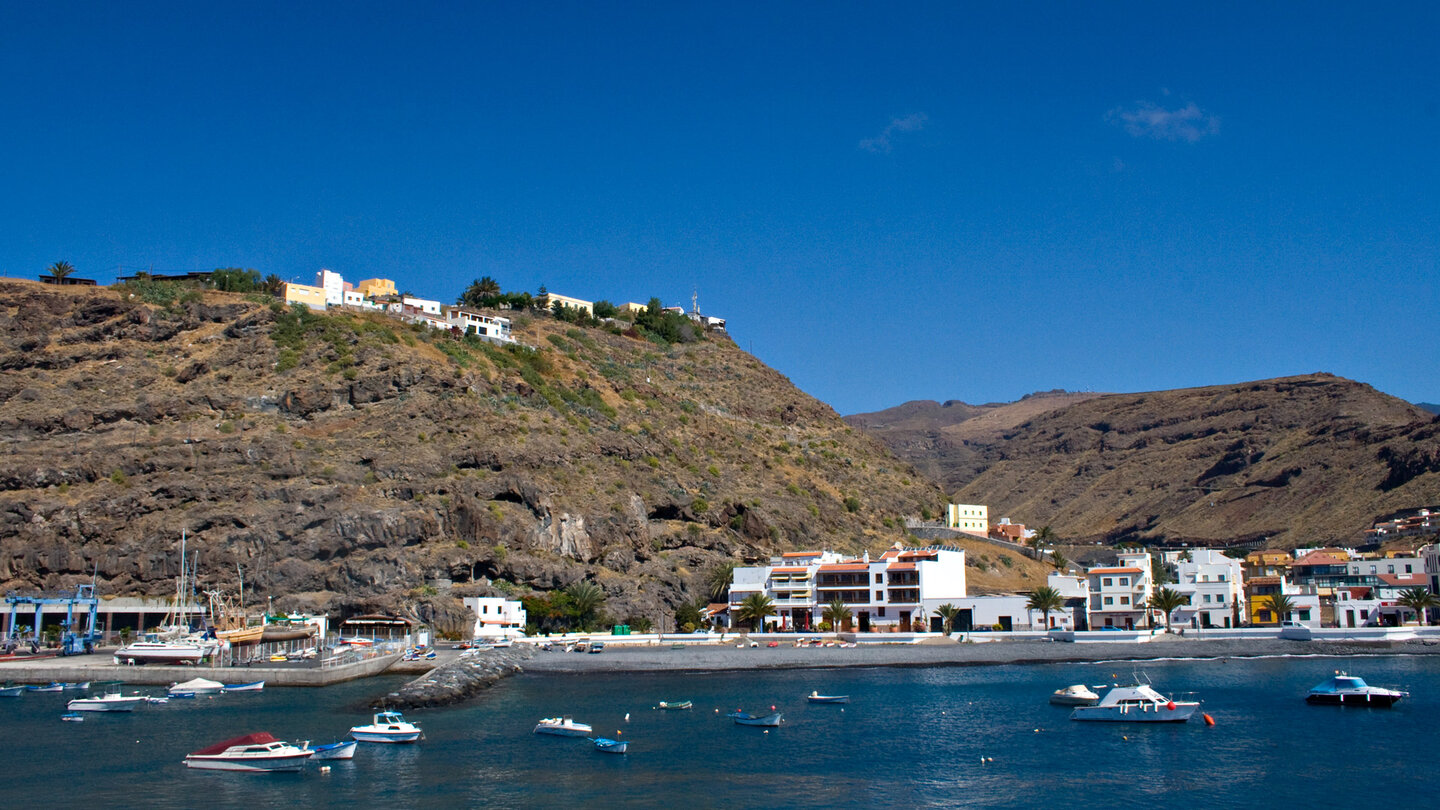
243	687
679	704
253	752
562	727
608	746
387	727
745	719
336	750
242	635
816	697
1349	690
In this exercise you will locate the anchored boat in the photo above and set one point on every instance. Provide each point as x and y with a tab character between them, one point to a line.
387	727
254	752
1349	690
562	727
1136	704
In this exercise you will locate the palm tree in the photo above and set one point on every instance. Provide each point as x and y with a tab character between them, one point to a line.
1282	605
718	581
1047	600
480	292
1418	600
948	613
585	600
754	609
836	613
1058	560
59	270
1167	601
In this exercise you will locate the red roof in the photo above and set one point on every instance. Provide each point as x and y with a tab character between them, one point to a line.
793	554
842	568
901	567
258	738
1414	580
799	569
1319	558
1116	571
926	554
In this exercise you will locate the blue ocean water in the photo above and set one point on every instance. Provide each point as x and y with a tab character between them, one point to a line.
911	737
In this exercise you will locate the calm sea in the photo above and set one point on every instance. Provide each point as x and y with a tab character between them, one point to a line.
910	738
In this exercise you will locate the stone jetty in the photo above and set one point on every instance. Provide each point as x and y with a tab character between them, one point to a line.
461	679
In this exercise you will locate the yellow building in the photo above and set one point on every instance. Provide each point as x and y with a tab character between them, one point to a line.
632	308
376	287
968	517
549	300
312	297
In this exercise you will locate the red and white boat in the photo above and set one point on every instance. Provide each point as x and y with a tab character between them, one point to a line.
254	752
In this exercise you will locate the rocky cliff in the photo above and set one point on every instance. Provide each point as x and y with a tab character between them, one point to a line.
350	462
1306	460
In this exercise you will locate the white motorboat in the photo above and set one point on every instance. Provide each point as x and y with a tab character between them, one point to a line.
165	652
1136	704
336	750
253	752
1077	695
562	727
111	702
197	686
388	727
1349	690
255	686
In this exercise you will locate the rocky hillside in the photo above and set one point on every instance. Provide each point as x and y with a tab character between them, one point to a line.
1302	460
350	462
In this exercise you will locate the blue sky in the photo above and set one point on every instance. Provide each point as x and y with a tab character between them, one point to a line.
887	201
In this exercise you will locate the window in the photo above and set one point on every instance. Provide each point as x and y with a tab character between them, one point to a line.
879	596
1109	600
879	579
1392	569
1124	600
1124	580
1305	615
1207	598
1220	578
882	612
1106	582
1372	569
1407	569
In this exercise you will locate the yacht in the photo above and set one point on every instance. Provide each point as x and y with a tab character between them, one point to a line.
388	727
1077	695
1136	704
562	727
165	652
253	752
111	702
1349	690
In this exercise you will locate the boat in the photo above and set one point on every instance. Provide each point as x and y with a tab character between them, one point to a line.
243	687
199	686
745	719
562	727
11	691
79	685
252	752
1076	695
606	745
242	635
1136	704
816	697
165	652
160	701
111	702
49	687
679	704
1350	690
182	695
72	717
336	750
387	727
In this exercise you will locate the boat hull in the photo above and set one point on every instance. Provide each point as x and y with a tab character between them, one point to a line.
97	705
769	720
289	763
611	746
340	750
384	736
1111	714
244	687
11	691
563	732
828	698
1375	700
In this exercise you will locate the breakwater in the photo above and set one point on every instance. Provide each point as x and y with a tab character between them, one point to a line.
461	679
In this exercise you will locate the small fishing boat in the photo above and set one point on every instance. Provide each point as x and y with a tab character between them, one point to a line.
745	719
1136	704
606	745
11	691
159	701
254	752
816	697
199	686
1076	695
562	727
77	685
49	687
679	704
72	717
387	727
111	702
336	750
1349	690
181	695
243	687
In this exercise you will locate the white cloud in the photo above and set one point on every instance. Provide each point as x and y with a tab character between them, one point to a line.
1149	120
881	143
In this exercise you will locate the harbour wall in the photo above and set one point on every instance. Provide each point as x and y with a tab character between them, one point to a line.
80	668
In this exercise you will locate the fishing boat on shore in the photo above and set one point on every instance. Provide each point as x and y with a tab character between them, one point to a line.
562	727
746	719
180	651
605	745
816	697
257	752
110	702
387	727
677	705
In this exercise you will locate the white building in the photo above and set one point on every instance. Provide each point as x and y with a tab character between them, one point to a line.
487	326
425	305
1119	594
968	517
900	588
1431	555
496	617
1215	587
334	286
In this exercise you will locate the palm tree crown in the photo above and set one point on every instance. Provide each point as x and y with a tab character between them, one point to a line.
754	609
1167	601
836	612
948	613
1283	606
1418	600
1047	600
60	270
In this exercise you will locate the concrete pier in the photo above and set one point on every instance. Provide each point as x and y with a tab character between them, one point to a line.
90	668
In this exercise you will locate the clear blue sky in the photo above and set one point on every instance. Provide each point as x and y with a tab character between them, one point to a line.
887	201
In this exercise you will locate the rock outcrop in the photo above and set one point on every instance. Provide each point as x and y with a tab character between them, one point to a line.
459	680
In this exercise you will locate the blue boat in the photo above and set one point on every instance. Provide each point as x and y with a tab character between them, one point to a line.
745	719
1349	690
606	745
73	717
255	686
49	687
183	695
337	750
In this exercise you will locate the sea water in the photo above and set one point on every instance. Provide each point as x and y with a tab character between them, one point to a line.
910	737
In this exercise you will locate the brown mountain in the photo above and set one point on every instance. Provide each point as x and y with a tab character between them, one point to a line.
350	462
1302	460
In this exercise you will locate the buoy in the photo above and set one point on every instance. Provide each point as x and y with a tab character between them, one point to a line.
1209	721
1170	705
1125	738
627	717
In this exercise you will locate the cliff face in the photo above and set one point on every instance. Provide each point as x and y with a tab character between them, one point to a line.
342	461
1304	460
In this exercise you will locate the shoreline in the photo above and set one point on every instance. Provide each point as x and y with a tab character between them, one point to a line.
727	658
